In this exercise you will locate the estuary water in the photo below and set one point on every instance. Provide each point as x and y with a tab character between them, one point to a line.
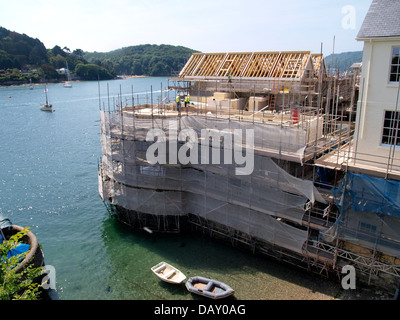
48	182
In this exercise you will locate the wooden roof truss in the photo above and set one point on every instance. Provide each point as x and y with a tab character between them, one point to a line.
286	65
319	63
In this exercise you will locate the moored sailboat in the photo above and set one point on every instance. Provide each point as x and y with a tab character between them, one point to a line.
30	87
67	84
46	106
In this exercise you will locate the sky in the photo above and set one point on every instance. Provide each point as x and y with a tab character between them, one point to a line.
206	25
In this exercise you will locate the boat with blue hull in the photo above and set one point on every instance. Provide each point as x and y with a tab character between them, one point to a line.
209	288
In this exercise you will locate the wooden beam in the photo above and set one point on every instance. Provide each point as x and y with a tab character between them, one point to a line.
286	65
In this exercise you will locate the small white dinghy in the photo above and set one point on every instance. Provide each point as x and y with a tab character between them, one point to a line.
168	273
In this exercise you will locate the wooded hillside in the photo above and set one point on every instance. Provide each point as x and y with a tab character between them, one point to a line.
147	59
18	50
343	61
23	58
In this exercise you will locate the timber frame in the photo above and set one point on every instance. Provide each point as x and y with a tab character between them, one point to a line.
254	65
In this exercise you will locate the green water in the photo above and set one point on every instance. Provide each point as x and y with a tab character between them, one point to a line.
48	181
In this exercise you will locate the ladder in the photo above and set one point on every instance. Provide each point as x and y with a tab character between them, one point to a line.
272	96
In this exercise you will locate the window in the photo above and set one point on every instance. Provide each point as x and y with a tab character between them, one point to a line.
391	128
367	228
395	65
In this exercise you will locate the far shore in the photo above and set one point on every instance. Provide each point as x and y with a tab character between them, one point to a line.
25	84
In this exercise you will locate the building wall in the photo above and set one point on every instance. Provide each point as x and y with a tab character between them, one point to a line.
377	94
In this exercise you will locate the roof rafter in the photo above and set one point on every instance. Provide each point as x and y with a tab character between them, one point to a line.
284	64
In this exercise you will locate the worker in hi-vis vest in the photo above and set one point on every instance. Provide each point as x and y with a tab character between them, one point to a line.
187	100
178	103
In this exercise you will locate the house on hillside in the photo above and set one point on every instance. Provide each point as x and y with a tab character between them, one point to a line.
62	71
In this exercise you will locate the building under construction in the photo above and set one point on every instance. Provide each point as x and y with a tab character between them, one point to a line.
292	206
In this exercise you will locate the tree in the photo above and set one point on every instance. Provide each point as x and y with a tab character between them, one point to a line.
92	72
8	61
58	51
58	61
22	285
49	71
137	68
159	69
78	53
38	55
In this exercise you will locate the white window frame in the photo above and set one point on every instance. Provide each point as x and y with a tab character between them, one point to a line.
393	128
391	65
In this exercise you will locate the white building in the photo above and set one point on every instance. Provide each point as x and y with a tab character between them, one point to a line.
62	71
377	133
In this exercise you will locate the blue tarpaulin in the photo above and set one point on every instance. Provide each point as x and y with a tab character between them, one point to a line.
21	248
361	192
369	213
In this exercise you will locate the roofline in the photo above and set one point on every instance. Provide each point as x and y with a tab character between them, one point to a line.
381	38
255	52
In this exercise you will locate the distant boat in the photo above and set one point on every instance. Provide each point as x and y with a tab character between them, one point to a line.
47	106
67	84
209	288
30	87
168	273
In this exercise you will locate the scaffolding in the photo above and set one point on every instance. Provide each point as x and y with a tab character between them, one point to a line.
284	208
